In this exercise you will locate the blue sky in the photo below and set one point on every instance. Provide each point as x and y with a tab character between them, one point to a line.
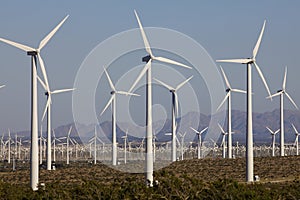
225	29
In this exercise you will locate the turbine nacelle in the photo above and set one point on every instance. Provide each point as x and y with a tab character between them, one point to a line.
32	53
146	58
113	92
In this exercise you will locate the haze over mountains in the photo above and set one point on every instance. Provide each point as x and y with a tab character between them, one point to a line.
260	121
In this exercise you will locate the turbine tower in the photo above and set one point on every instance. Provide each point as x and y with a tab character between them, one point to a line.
112	101
147	69
273	139
228	96
174	111
249	138
199	133
35	53
283	92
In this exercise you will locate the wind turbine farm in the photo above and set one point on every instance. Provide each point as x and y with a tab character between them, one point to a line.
117	134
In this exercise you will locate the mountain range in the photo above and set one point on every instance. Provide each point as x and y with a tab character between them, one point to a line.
260	133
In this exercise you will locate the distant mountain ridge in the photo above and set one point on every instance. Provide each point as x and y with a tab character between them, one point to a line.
260	133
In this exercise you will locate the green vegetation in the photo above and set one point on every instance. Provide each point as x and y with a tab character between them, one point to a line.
189	179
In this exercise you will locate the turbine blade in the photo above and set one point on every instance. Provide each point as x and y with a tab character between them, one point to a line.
43	69
2	86
146	43
183	83
274	95
262	78
296	131
276	131
238	90
164	84
47	106
203	130
144	70
194	130
127	93
290	98
108	103
109	80
62	90
70	131
166	60
255	50
20	46
41	82
50	35
222	130
176	105
225	78
270	130
241	61
227	95
284	79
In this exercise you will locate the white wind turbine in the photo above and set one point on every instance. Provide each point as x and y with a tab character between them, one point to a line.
296	140
249	138
229	89
94	140
48	94
273	139
174	111
199	134
54	145
9	143
68	141
34	53
182	143
283	92
149	135
125	137
112	102
223	144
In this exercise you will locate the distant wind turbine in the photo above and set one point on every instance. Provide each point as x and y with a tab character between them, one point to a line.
48	94
174	111
282	92
199	134
273	139
296	140
147	69
249	138
35	53
112	102
223	144
228	96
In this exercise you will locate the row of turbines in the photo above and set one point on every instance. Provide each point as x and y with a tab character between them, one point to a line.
35	56
68	148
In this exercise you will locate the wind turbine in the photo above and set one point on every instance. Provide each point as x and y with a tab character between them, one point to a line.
174	111
182	143
112	101
147	69
249	138
296	140
68	141
228	96
199	133
282	92
48	94
125	146
94	139
54	145
35	53
273	139
223	144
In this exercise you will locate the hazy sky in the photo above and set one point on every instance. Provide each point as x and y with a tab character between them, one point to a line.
225	29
